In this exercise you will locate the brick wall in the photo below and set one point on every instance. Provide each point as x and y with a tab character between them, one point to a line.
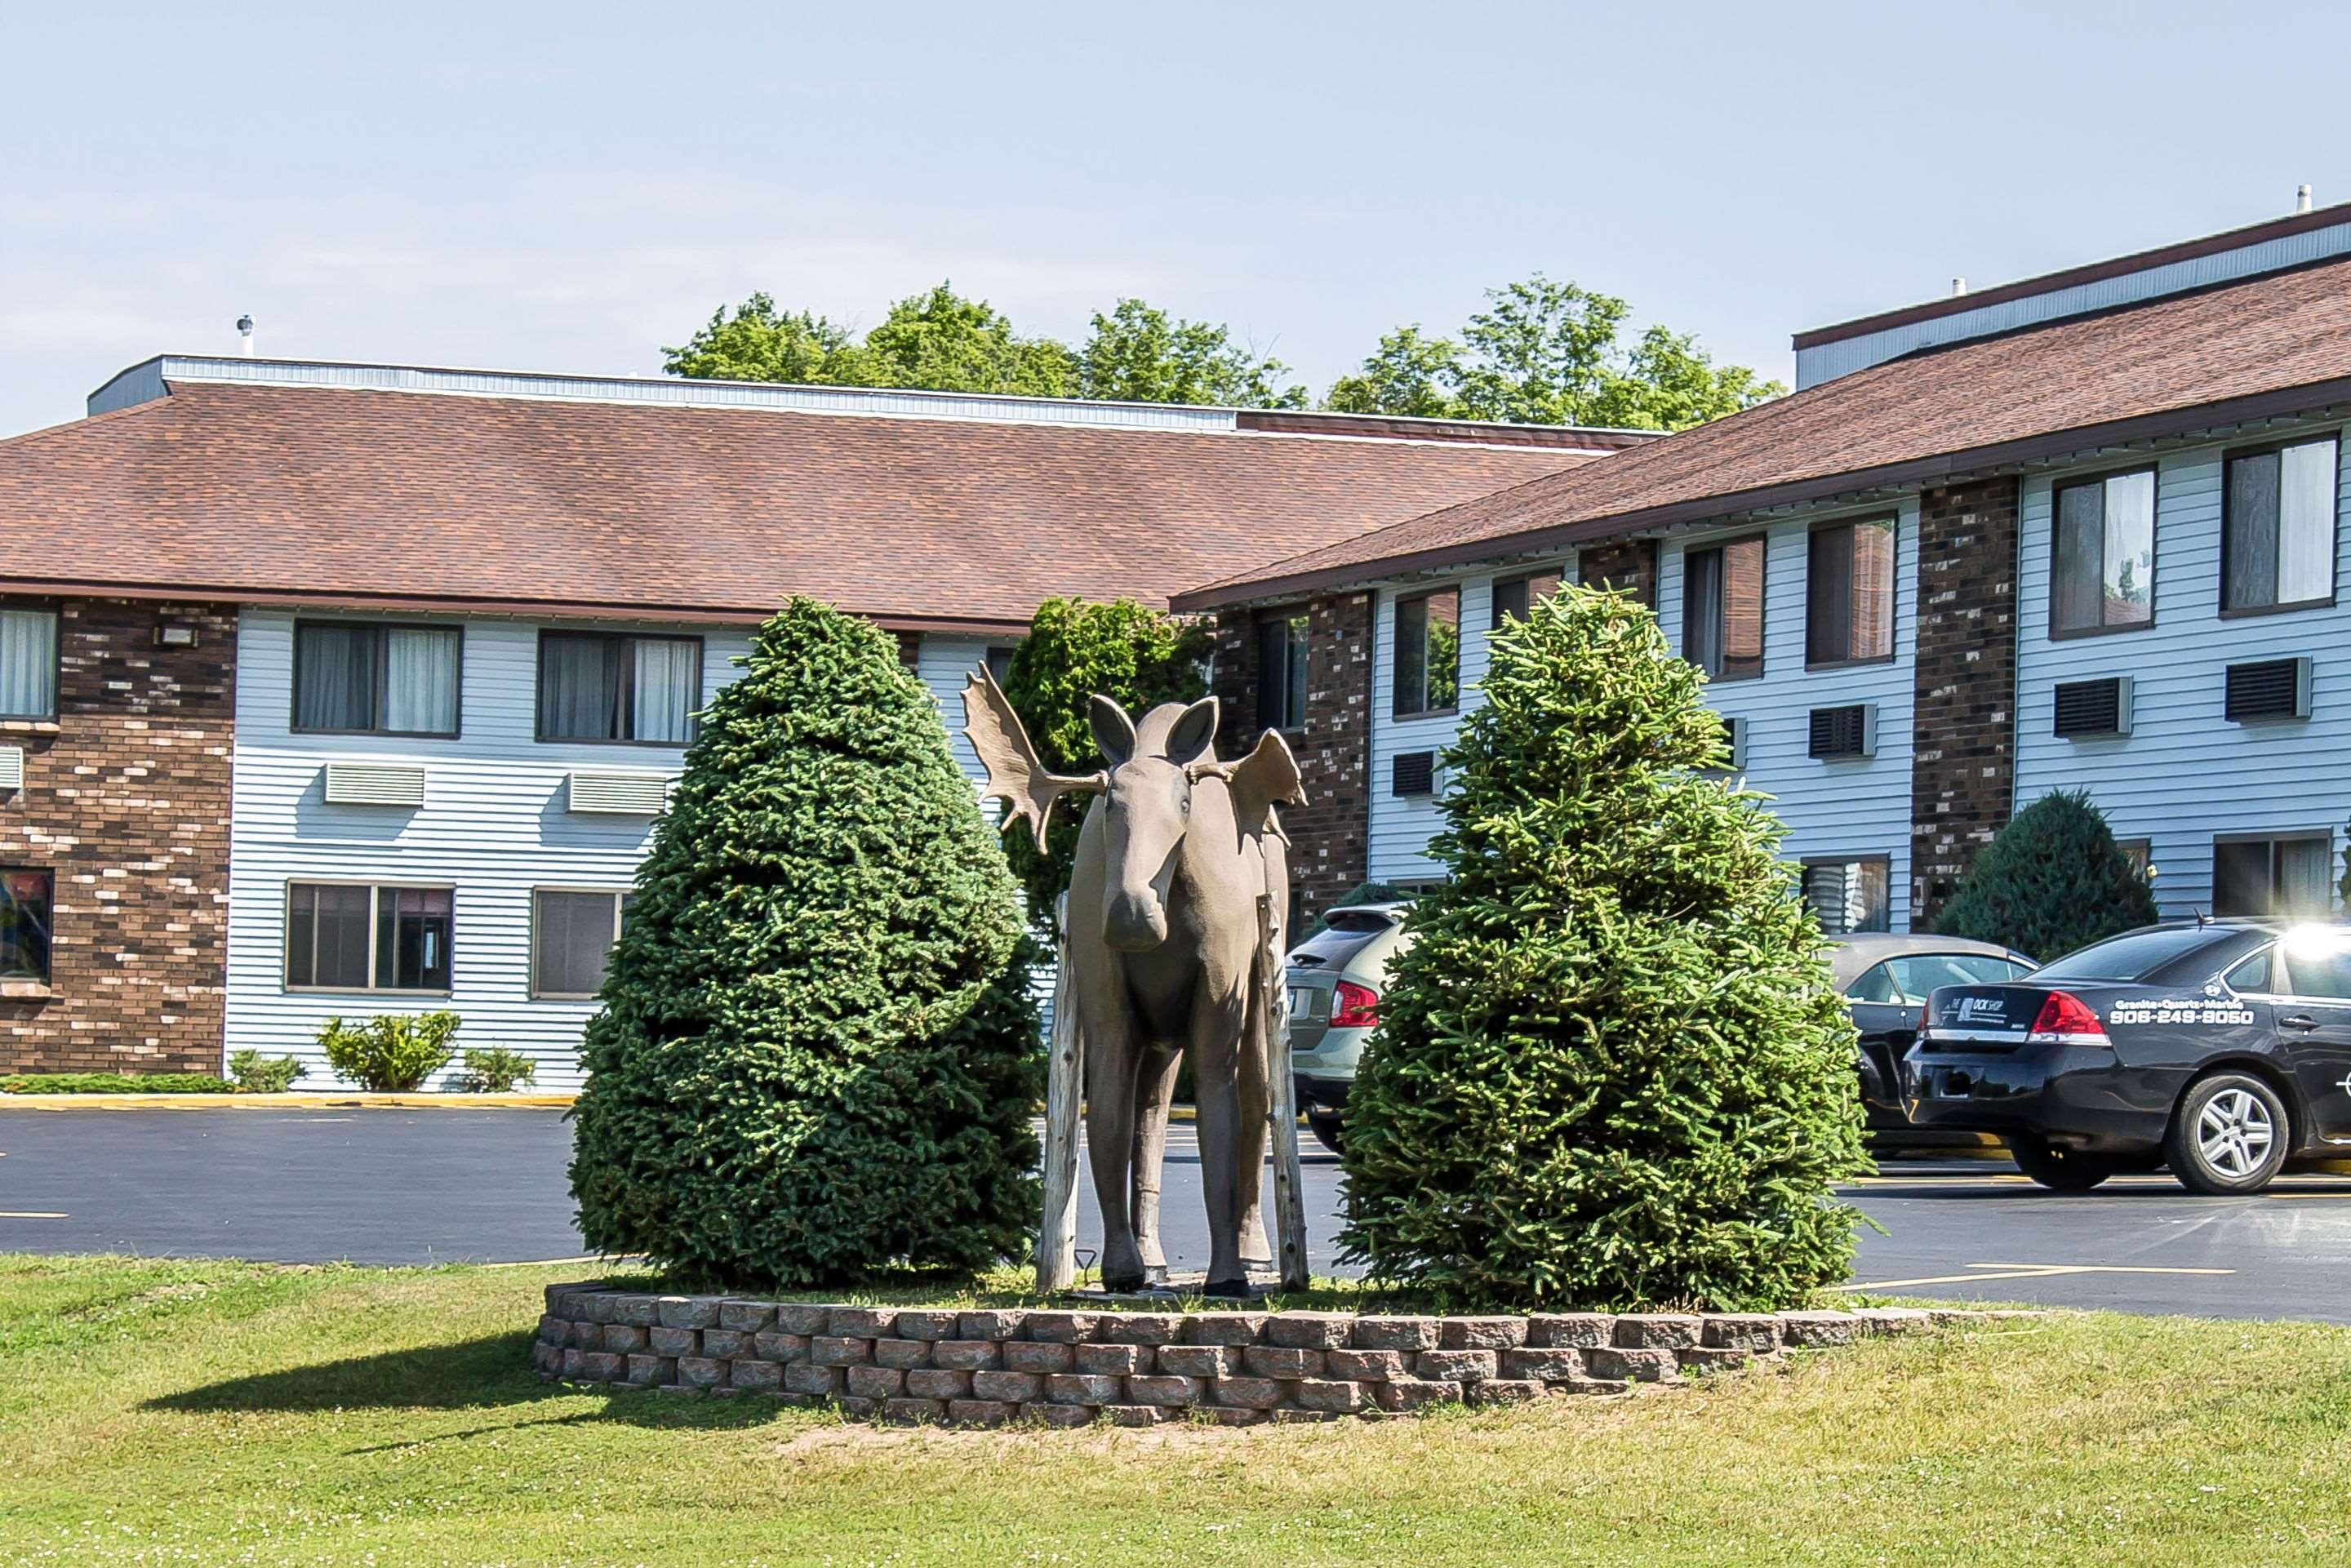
1963	759
126	800
1328	835
1622	563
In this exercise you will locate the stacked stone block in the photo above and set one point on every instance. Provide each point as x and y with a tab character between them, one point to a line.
1072	1368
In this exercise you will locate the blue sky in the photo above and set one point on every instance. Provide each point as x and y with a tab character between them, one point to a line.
568	187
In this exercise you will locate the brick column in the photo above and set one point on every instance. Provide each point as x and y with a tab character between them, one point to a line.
126	802
1329	835
1621	563
1963	753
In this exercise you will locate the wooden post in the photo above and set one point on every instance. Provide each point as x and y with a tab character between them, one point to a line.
1289	1177
1057	1239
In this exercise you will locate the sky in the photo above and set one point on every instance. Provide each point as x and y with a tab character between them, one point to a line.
570	187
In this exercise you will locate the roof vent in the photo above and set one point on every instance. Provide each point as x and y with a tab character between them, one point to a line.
245	332
2302	199
374	784
616	794
1958	286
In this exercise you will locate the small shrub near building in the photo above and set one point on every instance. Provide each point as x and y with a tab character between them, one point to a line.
818	1053
2051	880
1611	1072
257	1074
392	1054
497	1071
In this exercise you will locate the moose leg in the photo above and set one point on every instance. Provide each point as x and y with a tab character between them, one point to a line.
1256	1105
1216	1089
1156	1091
1110	1066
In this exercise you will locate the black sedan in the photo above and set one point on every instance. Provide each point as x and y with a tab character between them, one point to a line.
1886	979
2220	1048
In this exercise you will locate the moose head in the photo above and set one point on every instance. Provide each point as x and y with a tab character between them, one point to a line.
1149	787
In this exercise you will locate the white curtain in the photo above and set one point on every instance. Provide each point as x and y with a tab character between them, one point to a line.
666	674
28	664
2306	544
419	685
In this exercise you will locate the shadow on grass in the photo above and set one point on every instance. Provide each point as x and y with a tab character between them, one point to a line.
493	1373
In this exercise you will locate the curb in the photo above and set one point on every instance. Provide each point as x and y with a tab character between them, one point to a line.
349	1102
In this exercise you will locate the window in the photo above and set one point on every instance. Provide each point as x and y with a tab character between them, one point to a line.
1514	596
344	936
2317	963
2277	527
1722	609
2102	569
2140	852
1849	593
1281	672
598	686
1427	652
375	680
1911	977
999	664
1848	895
25	916
571	936
2283	876
28	664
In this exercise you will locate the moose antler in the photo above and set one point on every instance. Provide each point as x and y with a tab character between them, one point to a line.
1014	775
1267	777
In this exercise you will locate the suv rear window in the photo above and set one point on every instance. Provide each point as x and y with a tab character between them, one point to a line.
2134	955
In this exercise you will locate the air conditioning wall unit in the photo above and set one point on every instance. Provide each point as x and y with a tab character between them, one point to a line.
1734	740
1842	734
1411	773
2087	710
12	769
374	784
2270	689
613	793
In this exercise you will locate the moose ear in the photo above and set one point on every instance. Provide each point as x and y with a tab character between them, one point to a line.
1113	731
1192	733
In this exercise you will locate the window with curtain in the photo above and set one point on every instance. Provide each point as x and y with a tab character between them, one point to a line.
1427	652
1849	895
1514	596
598	686
2102	558
1281	672
572	935
1722	609
28	664
1849	593
2277	526
25	908
2291	877
362	937
354	678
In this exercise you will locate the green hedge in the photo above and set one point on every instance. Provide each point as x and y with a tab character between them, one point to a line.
113	1083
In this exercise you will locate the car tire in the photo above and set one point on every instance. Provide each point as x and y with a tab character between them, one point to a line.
2058	1168
1325	1128
2230	1136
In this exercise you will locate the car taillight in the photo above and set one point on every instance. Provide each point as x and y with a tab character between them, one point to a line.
1354	1007
2065	1017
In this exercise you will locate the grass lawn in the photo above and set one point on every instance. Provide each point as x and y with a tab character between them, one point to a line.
204	1411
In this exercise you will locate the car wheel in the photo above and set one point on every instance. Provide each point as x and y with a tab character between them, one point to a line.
2229	1136
2058	1168
1325	1128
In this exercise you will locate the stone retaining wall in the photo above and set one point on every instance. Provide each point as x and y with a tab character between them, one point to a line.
1071	1368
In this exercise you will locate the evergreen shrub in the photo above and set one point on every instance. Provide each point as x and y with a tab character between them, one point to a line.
818	1055
2051	880
1611	1071
391	1054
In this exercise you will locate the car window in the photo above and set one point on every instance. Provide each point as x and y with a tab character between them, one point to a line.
2133	955
1875	984
1917	975
2317	966
2253	975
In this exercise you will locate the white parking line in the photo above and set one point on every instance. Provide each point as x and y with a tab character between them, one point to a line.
2031	1271
27	1214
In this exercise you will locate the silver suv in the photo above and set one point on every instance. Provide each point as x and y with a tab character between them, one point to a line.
1336	977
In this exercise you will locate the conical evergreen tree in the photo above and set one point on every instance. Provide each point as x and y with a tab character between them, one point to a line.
1611	1071
2051	880
818	1055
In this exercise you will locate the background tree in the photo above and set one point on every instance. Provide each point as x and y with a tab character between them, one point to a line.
1547	352
1141	656
2051	880
758	342
1611	1071
941	342
817	1054
1139	353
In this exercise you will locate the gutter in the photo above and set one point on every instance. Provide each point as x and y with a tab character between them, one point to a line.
1942	467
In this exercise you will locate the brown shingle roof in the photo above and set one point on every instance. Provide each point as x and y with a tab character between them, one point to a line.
2266	346
277	491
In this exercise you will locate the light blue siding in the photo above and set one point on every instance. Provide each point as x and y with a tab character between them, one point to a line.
494	826
1825	361
1859	809
2185	773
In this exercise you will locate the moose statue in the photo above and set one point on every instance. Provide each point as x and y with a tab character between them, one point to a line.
1174	918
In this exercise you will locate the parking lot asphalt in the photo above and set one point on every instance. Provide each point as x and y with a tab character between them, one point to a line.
488	1185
